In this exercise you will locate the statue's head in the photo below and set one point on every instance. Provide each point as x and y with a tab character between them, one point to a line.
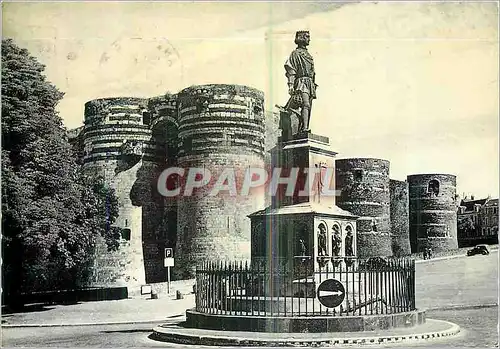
336	229
348	230
302	37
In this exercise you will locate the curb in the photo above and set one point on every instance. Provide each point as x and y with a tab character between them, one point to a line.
161	334
463	307
417	261
177	317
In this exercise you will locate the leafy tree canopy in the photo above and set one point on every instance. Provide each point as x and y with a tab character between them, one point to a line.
51	213
465	225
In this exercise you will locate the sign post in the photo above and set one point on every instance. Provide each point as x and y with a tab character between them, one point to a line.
168	262
331	293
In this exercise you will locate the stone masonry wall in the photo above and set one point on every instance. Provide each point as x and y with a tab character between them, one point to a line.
271	138
364	186
160	227
154	233
399	211
433	212
118	145
124	267
220	126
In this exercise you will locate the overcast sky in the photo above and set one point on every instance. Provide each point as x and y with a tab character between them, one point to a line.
413	83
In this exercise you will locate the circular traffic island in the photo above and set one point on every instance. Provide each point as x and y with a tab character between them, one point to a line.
360	302
302	324
182	334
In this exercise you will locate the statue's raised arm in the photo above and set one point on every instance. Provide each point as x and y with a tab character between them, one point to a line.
299	70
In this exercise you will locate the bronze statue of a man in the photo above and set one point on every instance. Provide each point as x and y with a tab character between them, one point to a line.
301	80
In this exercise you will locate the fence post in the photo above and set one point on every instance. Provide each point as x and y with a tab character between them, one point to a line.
271	286
283	284
291	278
413	283
245	286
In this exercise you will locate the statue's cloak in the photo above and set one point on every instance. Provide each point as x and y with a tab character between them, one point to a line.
300	69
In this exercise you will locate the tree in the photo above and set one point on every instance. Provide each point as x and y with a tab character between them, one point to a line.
465	226
51	212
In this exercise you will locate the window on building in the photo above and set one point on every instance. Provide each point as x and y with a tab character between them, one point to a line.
433	187
358	175
188	144
146	118
126	234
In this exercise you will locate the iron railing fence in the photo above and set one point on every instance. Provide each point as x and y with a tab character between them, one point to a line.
371	287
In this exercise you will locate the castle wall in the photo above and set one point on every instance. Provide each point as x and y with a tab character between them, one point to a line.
124	267
272	132
399	212
433	212
130	141
364	191
160	229
220	126
118	146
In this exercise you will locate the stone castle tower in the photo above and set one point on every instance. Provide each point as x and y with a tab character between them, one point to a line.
364	186
130	141
400	225
118	145
433	212
220	126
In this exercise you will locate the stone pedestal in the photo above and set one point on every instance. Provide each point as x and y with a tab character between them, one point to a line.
307	157
303	220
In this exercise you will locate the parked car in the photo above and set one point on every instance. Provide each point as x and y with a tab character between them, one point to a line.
478	249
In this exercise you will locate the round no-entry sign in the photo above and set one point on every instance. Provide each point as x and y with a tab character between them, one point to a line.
331	293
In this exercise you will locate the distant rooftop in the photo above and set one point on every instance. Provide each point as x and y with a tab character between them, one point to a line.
470	203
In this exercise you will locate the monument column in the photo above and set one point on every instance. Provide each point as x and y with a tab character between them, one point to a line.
310	157
303	227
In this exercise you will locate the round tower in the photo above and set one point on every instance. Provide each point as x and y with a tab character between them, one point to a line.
433	212
220	127
400	228
118	146
364	191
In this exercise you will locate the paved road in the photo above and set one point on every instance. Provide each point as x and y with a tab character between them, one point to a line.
117	311
479	327
479	331
88	336
461	281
